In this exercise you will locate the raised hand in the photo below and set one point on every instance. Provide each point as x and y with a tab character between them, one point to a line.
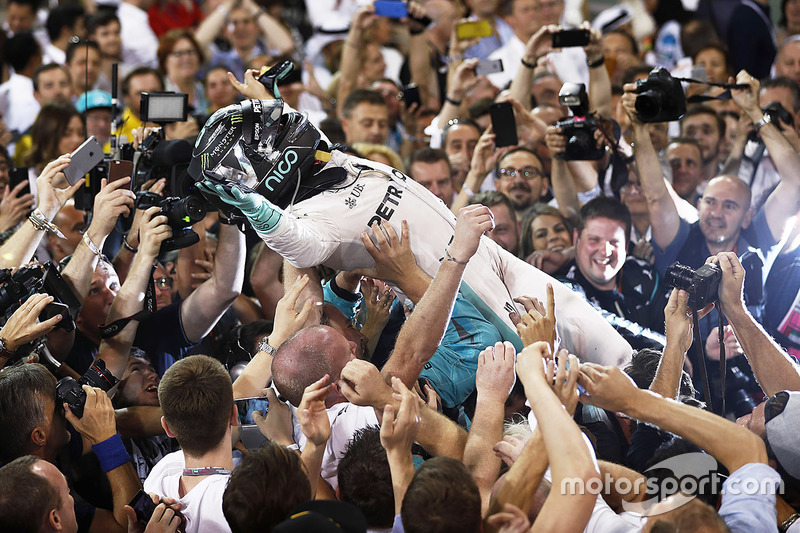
287	321
473	221
392	255
14	207
398	432
495	376
606	387
262	214
23	325
539	322
311	412
51	198
112	201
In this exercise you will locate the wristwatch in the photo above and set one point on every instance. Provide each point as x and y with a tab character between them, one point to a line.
765	119
264	346
5	353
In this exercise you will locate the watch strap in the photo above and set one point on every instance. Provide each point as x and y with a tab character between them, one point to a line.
765	119
264	346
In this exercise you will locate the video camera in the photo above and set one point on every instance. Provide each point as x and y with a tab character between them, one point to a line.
701	284
18	286
579	130
71	392
661	97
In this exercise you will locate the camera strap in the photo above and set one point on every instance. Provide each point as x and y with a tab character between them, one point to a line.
701	361
110	330
725	95
723	362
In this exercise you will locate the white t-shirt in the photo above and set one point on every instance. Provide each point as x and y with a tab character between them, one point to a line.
346	418
139	41
202	506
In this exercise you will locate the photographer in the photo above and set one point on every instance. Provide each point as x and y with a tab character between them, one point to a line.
23	326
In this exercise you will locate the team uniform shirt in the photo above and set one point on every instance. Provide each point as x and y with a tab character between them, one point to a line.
202	506
325	229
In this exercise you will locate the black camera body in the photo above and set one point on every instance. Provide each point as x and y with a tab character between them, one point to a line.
71	392
777	114
19	286
181	213
701	284
579	129
661	97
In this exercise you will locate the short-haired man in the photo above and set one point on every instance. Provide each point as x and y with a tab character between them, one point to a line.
17	104
51	83
365	118
601	241
20	16
84	63
787	62
197	399
138	81
459	140
104	28
684	156
64	22
506	228
34	496
520	177
431	168
701	122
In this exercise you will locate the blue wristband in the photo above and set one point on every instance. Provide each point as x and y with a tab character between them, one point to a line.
111	453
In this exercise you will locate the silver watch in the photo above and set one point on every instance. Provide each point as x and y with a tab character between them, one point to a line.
765	119
264	346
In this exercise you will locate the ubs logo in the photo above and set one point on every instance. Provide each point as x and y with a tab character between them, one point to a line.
290	157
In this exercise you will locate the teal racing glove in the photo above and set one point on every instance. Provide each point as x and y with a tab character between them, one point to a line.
262	214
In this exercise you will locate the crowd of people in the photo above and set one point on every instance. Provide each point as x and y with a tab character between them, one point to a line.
416	324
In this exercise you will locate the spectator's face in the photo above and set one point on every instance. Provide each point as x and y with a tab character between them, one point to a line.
66	513
108	39
54	86
368	123
522	191
632	196
659	134
483	8
391	94
788	61
524	18
72	222
792	12
102	291
73	137
242	29
783	96
373	66
505	232
20	17
436	178
545	90
461	139
714	62
144	83
82	70
339	322
163	284
723	212
139	384
219	90
550	233
705	129
615	45
98	123
549	11
687	167
182	62
600	251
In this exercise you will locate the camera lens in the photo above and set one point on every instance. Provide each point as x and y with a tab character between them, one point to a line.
679	276
648	104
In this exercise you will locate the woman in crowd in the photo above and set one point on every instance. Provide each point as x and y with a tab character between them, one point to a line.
179	59
546	238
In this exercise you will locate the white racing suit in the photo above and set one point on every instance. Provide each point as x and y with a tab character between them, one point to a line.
326	229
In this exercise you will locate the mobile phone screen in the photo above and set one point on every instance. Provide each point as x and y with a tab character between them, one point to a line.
393	9
570	38
246	406
503	124
473	29
489	66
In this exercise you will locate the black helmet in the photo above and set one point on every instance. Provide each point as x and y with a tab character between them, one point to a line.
256	144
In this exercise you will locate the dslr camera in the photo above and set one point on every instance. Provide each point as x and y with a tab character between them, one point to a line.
70	391
579	129
661	97
777	114
18	286
701	284
181	213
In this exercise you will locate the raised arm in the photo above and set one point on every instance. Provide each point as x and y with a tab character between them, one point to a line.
274	33
425	328
20	247
664	218
397	436
667	380
732	445
782	203
538	46
204	307
599	83
494	380
212	25
351	55
773	368
484	158
560	176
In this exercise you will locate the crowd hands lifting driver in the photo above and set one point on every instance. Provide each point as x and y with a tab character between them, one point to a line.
337	359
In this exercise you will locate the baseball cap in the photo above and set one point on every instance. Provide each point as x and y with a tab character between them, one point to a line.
93	100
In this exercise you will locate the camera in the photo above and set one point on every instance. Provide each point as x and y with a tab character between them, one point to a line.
181	214
661	97
18	286
578	130
701	284
70	392
777	114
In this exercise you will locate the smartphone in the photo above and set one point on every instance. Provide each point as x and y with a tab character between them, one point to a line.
473	29
16	176
503	124
83	159
393	9
118	169
246	406
144	506
411	95
488	66
699	73
570	38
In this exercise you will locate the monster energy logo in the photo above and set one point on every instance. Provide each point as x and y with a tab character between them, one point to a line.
205	160
235	119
